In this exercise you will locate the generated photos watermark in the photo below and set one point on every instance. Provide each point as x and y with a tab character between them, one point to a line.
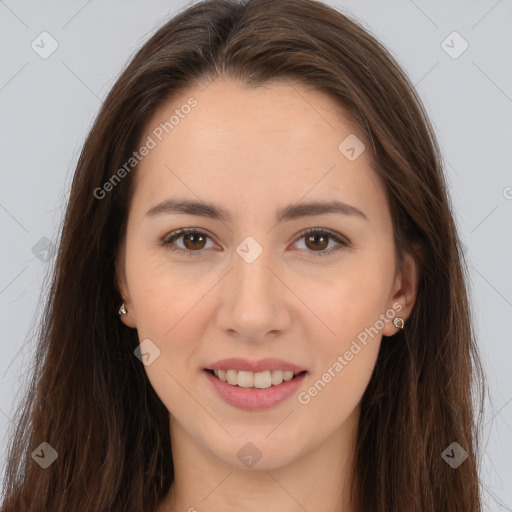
158	133
305	397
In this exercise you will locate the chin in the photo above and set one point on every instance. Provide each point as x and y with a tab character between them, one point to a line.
257	452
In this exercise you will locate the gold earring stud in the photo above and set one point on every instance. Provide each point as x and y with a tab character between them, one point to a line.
399	322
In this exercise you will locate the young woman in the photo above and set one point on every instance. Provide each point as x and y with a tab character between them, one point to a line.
259	300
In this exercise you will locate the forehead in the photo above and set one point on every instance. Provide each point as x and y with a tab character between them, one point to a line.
242	144
282	114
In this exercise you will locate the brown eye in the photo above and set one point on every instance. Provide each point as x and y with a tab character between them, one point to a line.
193	242
317	240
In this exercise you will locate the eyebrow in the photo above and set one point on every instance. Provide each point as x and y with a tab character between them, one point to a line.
290	212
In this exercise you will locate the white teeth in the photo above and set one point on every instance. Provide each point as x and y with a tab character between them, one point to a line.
231	377
287	375
245	379
277	377
260	380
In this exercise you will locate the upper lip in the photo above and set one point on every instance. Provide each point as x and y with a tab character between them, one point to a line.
239	363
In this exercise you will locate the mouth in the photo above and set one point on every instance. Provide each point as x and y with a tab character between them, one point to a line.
254	380
263	389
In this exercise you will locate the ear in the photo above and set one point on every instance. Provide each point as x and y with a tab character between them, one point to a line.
404	291
120	282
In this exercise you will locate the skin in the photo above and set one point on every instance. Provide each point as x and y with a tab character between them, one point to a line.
251	151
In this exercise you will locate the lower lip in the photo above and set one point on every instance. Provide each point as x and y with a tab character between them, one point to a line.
254	399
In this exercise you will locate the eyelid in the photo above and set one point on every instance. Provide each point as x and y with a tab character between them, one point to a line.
342	241
177	233
332	234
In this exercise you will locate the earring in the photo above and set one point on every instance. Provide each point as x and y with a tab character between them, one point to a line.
399	322
122	309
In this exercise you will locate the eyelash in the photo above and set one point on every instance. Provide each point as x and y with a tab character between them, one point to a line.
171	237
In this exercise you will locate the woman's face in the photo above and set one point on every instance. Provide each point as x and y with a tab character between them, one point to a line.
251	286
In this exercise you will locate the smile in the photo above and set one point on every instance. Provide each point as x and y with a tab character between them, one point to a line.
249	396
258	380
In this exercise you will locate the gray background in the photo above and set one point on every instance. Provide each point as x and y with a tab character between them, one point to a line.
48	105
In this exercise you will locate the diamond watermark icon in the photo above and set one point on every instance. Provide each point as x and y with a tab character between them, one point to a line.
43	250
454	45
249	455
454	455
44	455
351	147
147	352
249	250
44	45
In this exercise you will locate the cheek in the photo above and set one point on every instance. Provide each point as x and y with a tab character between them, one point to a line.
167	304
345	357
161	294
351	300
333	395
351	309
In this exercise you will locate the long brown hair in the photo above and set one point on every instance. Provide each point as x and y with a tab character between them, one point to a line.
90	398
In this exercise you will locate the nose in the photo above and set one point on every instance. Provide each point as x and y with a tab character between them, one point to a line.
253	299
